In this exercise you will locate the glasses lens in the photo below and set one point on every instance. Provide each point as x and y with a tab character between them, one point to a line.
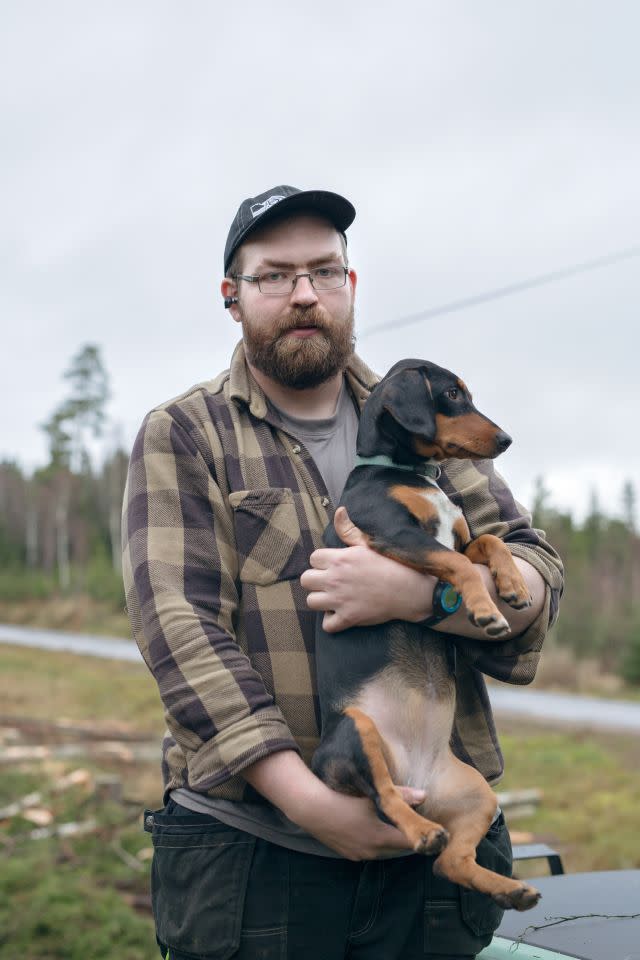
328	278
277	281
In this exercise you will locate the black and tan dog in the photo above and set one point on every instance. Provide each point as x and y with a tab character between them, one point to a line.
387	692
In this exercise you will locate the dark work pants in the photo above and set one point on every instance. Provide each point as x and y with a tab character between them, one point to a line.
219	893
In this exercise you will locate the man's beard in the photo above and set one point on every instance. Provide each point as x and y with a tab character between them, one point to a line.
300	362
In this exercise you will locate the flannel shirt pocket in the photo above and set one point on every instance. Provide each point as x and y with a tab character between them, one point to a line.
268	535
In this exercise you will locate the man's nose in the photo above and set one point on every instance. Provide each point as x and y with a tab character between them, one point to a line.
303	292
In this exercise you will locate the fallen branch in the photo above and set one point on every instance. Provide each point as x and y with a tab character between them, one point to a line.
136	752
71	829
33	725
509	798
30	800
519	803
13	809
126	857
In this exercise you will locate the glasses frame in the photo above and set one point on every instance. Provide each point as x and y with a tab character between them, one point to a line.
255	278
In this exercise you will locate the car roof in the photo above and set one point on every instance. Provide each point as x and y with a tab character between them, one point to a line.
609	894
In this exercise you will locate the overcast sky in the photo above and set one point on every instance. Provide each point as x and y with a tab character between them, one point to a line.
481	143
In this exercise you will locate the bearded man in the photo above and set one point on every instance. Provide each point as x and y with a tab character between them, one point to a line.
230	488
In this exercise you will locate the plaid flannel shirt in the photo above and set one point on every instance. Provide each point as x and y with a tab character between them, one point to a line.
222	510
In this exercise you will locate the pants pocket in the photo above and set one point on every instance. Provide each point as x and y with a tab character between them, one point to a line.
458	921
198	884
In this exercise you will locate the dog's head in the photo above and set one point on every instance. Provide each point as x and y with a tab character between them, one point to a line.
419	411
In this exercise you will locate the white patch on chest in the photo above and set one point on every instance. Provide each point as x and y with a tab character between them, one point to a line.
448	513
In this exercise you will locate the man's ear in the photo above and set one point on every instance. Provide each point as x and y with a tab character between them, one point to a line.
229	288
407	398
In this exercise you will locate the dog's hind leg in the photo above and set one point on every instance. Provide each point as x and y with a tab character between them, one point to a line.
466	804
354	759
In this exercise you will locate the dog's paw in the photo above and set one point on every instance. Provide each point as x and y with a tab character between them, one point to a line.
522	898
511	588
432	843
491	621
516	599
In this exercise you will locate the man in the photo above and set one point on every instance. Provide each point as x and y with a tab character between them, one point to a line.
230	488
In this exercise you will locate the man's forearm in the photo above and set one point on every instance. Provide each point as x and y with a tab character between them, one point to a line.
358	586
349	825
459	623
285	780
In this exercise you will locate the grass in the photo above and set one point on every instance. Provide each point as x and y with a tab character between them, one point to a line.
62	902
78	613
71	898
64	685
590	784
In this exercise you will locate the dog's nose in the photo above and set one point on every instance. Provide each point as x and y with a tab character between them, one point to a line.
503	441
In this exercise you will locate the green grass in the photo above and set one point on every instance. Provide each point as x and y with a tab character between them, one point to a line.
590	785
65	898
76	612
65	685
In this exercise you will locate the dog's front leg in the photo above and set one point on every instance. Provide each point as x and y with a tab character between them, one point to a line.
458	570
495	554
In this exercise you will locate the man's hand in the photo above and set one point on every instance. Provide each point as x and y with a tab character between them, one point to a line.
348	825
359	587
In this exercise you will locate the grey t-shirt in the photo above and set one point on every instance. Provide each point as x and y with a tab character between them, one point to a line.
331	442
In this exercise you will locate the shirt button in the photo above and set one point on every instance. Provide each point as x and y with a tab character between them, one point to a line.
296	448
149	821
325	501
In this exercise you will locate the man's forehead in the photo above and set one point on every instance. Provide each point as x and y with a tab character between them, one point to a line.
290	237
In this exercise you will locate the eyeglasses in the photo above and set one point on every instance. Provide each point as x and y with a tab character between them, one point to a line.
281	283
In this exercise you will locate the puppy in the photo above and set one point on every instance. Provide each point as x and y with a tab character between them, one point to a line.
387	692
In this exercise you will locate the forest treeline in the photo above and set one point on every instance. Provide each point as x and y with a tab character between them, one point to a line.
60	530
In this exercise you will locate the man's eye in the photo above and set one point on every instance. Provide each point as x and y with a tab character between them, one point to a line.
452	394
276	276
325	272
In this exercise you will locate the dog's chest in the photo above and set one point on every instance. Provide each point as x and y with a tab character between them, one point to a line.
446	514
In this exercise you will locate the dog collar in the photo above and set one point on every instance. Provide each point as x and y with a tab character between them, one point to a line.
425	468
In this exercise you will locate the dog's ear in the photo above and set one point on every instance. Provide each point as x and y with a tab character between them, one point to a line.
369	437
404	396
407	398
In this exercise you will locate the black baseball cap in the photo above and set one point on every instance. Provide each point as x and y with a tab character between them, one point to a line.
256	211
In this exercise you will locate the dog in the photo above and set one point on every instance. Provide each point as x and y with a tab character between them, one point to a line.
387	692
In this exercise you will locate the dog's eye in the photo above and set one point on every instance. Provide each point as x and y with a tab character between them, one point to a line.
453	393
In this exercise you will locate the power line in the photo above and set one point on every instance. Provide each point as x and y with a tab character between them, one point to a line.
507	291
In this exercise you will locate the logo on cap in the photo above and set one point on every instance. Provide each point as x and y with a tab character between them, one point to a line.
258	208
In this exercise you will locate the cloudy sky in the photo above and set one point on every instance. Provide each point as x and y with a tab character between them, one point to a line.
482	143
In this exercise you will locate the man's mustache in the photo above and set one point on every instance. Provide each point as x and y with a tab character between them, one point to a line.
306	319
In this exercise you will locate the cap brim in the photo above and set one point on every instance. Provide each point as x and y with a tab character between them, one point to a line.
335	208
